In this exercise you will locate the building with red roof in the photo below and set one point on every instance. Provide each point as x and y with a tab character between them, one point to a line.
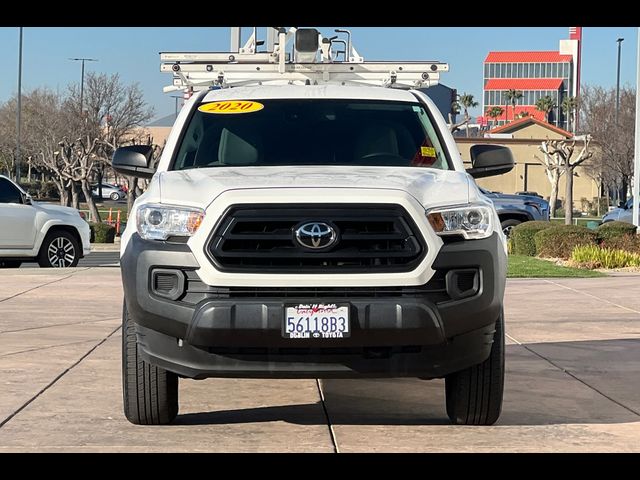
535	75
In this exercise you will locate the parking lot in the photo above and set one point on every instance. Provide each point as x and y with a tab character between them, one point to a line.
573	381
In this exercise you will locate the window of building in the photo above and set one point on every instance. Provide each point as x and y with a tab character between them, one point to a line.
520	66
509	70
486	70
554	70
543	70
549	69
503	70
536	67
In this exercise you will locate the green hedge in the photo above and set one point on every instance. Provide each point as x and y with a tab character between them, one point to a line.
102	233
559	241
521	237
615	229
628	243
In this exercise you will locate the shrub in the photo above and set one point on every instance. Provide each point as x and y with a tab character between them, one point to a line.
628	243
615	229
102	233
49	190
559	241
592	256
42	190
521	237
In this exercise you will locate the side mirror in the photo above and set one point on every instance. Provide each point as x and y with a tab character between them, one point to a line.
27	199
490	160
134	161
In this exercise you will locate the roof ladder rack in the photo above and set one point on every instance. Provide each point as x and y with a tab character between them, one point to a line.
311	61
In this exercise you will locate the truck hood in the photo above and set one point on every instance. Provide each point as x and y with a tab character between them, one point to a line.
56	209
199	187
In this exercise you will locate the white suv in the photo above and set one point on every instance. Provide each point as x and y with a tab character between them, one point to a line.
53	235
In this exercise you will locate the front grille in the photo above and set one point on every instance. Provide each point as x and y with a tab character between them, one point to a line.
197	291
371	238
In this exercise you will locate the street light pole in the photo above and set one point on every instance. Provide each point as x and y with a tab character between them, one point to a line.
19	114
619	40
177	97
82	78
635	218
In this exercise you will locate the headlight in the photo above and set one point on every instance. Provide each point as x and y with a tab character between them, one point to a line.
473	221
159	222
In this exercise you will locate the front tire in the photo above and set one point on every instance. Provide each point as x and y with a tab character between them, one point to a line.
60	249
474	395
115	196
150	393
507	226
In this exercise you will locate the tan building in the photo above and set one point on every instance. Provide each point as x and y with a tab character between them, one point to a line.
523	137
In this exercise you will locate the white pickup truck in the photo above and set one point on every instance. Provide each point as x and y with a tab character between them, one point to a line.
303	224
52	235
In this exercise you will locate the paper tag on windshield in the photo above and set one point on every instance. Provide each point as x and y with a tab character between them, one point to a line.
427	151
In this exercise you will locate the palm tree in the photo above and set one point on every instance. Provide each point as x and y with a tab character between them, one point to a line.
513	96
466	102
523	114
495	112
546	105
568	106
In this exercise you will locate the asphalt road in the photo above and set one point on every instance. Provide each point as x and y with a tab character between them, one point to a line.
94	259
573	381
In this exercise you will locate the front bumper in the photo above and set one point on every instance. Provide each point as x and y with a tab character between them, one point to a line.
208	331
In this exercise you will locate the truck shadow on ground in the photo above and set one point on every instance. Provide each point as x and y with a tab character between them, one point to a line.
538	392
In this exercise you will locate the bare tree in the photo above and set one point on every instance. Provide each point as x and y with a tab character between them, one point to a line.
613	163
553	169
114	113
563	151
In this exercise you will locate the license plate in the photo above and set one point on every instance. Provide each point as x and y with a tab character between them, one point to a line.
316	320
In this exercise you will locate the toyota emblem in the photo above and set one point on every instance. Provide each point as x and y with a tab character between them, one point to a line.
316	235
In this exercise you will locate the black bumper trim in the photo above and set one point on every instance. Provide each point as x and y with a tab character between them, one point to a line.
429	362
417	319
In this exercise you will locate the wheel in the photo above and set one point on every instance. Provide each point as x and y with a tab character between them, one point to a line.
507	226
60	249
10	263
115	196
474	395
150	393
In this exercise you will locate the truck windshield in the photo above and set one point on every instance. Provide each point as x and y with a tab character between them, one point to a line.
310	132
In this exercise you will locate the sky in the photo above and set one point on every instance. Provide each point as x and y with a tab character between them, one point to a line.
133	53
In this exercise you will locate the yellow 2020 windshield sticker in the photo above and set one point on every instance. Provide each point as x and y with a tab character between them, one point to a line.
231	106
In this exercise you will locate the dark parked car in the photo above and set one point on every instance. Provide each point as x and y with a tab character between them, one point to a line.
515	209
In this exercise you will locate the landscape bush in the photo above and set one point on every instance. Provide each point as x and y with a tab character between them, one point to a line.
559	241
615	229
522	242
593	256
628	243
102	233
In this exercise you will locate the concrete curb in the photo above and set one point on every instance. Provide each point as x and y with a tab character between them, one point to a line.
105	247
